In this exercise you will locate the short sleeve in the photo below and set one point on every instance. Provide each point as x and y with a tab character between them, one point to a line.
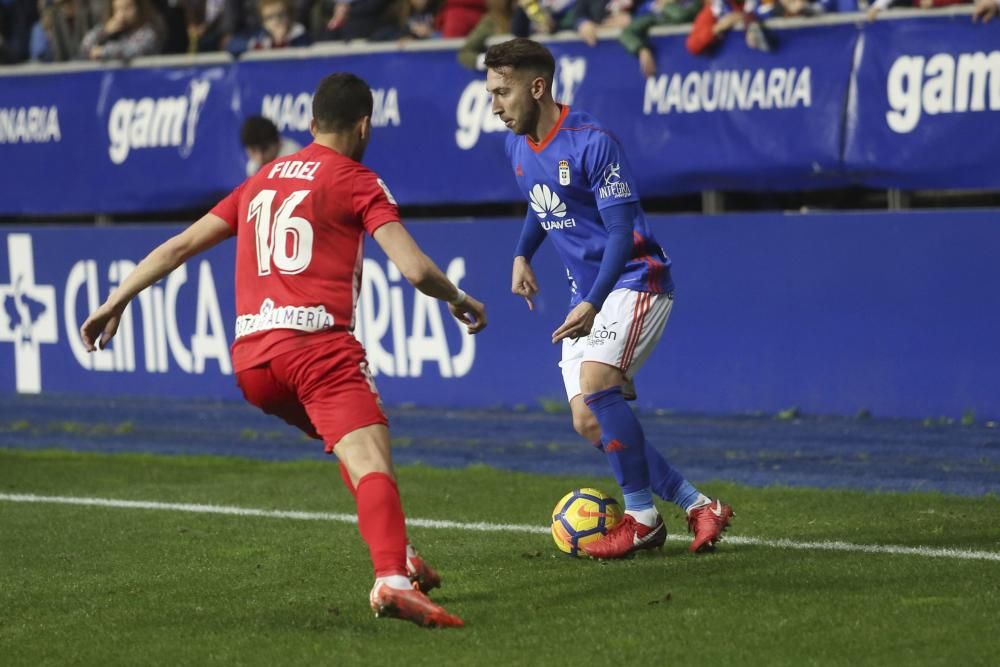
373	202
229	208
608	171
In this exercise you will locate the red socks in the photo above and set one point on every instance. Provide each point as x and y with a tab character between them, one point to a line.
380	521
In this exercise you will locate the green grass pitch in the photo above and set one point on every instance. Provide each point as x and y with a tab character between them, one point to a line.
84	585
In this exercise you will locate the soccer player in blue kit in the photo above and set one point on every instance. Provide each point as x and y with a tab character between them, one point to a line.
581	195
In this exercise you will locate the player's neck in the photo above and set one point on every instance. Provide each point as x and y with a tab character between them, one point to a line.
343	144
546	120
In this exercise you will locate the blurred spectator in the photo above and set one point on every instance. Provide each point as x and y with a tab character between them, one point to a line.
263	143
174	25
239	21
986	10
362	19
133	30
415	20
542	16
457	18
880	6
718	17
418	19
584	17
804	8
279	28
16	19
635	37
592	15
203	20
496	21
59	31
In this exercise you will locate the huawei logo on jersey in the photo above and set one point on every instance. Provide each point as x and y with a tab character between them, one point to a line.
544	202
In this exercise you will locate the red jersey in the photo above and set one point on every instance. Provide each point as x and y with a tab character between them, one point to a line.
299	224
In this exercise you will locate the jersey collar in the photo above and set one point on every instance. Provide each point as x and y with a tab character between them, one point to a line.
539	147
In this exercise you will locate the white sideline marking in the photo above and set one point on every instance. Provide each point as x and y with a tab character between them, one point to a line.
928	552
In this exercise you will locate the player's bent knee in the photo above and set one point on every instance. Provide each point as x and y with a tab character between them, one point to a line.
365	451
587	427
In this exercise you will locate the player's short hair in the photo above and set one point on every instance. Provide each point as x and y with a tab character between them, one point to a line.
341	100
259	132
522	54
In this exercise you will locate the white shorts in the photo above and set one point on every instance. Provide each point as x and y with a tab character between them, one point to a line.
625	333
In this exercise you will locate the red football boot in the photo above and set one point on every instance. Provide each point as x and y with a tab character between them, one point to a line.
627	537
410	605
420	573
707	523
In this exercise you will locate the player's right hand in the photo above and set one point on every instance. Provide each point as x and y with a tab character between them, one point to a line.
523	282
100	327
470	312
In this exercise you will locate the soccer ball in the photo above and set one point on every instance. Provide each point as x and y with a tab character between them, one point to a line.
582	516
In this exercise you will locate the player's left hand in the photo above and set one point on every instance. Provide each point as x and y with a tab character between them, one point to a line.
578	323
100	327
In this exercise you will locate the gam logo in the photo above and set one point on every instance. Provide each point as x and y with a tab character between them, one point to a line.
160	122
941	84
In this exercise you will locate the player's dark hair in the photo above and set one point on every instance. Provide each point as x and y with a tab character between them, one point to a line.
259	132
341	100
522	54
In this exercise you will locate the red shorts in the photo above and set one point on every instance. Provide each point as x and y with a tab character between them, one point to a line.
325	390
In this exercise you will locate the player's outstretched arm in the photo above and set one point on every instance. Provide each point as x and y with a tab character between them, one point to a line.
421	272
102	324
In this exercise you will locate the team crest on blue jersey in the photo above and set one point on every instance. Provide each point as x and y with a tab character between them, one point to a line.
563	172
614	186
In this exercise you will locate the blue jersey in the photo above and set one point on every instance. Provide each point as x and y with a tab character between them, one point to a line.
577	171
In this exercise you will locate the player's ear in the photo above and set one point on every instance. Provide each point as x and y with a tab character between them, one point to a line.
538	87
365	127
313	128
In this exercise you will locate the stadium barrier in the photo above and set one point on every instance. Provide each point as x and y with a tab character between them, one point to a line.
896	313
896	103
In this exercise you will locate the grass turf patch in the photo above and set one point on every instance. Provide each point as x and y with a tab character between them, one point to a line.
87	585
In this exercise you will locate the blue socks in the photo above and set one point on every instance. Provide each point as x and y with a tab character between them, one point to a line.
638	470
668	483
624	445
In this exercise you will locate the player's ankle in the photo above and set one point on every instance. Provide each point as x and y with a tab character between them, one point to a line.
700	502
400	581
647	517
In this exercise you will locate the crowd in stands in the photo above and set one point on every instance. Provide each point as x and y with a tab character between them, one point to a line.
64	30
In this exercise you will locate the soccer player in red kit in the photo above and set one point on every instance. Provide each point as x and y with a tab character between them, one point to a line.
299	225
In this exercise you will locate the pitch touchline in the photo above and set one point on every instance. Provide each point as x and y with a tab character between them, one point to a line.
929	552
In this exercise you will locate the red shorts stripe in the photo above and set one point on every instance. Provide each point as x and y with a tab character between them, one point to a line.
643	303
632	330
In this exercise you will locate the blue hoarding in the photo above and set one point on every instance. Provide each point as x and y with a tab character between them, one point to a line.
899	103
894	313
